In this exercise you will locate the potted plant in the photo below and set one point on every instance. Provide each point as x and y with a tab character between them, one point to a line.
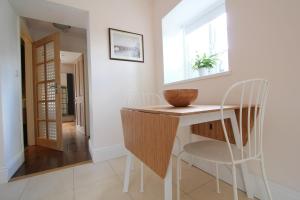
203	63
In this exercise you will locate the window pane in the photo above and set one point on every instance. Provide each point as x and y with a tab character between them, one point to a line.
219	26
198	41
210	38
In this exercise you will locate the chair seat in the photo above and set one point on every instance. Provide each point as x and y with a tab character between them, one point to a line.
213	150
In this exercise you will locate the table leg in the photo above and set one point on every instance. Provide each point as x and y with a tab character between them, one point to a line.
127	172
247	180
168	182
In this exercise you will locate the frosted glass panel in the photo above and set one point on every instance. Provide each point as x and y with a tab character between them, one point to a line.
41	92
40	73
51	111
52	130
50	71
49	51
51	91
42	129
42	110
40	54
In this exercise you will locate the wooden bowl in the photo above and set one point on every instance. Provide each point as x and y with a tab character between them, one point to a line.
180	97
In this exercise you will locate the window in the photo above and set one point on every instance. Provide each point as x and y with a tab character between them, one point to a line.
185	38
209	39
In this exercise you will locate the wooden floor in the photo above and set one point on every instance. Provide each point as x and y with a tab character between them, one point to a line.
40	159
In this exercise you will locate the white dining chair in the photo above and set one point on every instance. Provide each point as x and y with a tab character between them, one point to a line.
252	96
135	100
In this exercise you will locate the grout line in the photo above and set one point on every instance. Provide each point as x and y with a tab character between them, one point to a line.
202	185
191	197
130	196
128	193
115	172
120	178
26	185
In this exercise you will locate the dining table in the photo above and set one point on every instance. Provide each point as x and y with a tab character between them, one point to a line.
150	132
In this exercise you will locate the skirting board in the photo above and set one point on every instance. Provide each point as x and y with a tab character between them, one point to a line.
107	153
279	192
3	175
7	172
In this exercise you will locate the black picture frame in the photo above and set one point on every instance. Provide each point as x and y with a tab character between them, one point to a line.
121	49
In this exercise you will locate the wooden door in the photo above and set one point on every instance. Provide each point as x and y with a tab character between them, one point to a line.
79	94
46	62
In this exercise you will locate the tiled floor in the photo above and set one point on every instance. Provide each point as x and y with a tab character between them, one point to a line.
103	181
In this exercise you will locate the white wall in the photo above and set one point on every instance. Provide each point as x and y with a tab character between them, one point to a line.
3	173
263	42
68	42
110	81
10	82
64	70
67	68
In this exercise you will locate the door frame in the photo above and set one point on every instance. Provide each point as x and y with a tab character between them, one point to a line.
84	93
85	55
29	89
24	34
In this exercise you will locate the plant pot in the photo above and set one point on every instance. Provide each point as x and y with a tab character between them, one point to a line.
202	71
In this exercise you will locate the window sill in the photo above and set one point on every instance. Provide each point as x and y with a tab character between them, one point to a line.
199	78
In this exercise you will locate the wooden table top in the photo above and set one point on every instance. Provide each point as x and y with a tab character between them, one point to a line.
180	111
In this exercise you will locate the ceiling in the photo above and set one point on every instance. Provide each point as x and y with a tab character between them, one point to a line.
68	57
52	12
47	27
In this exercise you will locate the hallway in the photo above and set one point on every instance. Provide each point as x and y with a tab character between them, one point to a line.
40	159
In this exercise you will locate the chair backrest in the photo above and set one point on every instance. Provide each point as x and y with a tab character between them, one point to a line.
252	95
143	99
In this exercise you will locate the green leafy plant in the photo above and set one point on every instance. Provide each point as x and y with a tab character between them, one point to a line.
205	61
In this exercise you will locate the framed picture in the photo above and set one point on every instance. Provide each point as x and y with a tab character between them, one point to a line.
126	46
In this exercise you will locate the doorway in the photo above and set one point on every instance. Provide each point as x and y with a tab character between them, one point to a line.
56	72
23	78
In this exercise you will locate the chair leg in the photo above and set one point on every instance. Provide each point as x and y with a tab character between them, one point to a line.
142	177
234	183
127	173
262	165
217	178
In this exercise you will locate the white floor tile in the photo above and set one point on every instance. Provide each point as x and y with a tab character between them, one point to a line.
208	191
69	195
119	164
47	186
12	190
110	189
90	173
193	178
103	181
